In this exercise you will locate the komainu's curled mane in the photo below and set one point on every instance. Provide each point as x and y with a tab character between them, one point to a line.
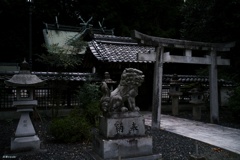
122	99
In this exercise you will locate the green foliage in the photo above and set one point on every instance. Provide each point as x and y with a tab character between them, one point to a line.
234	100
60	57
59	88
92	112
154	17
78	124
72	128
88	93
211	20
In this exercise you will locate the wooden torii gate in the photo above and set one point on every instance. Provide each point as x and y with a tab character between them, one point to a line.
160	57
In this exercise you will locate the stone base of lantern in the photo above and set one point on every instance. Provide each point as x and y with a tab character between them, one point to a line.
25	136
175	100
197	111
25	143
175	108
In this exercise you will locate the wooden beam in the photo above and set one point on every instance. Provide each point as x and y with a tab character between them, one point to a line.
193	60
188	59
176	43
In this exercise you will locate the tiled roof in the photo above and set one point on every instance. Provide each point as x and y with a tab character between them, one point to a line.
186	78
195	79
68	76
109	48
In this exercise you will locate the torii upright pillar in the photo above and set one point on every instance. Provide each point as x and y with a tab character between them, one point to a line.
213	86
157	88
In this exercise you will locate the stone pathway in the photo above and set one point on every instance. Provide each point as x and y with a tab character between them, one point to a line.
216	135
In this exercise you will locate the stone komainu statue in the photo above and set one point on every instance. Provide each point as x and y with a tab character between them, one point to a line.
122	99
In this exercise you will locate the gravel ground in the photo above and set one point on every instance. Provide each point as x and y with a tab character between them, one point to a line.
170	145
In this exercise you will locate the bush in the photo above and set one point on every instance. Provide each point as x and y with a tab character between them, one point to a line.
78	124
92	113
88	93
72	128
234	101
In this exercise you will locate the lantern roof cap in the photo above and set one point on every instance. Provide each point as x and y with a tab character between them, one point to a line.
24	78
24	65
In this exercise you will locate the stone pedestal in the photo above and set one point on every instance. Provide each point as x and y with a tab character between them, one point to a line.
197	101
197	111
174	92
25	143
123	136
25	138
123	147
175	102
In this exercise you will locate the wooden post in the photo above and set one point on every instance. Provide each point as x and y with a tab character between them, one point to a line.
157	88
213	85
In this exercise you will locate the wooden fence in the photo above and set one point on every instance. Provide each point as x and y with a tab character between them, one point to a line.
46	97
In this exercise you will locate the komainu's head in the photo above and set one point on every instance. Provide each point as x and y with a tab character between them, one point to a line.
132	76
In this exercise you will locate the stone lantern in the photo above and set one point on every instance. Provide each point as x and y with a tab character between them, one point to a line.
109	81
174	92
197	101
25	137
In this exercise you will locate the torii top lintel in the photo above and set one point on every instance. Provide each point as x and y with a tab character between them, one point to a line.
176	43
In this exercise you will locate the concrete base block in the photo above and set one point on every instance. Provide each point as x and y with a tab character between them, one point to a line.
175	108
25	143
147	157
123	136
122	127
196	157
125	148
197	112
175	111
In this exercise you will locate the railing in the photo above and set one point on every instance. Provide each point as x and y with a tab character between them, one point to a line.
47	98
43	95
7	96
166	99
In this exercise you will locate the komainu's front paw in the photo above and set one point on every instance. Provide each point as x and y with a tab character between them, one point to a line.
136	109
124	109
